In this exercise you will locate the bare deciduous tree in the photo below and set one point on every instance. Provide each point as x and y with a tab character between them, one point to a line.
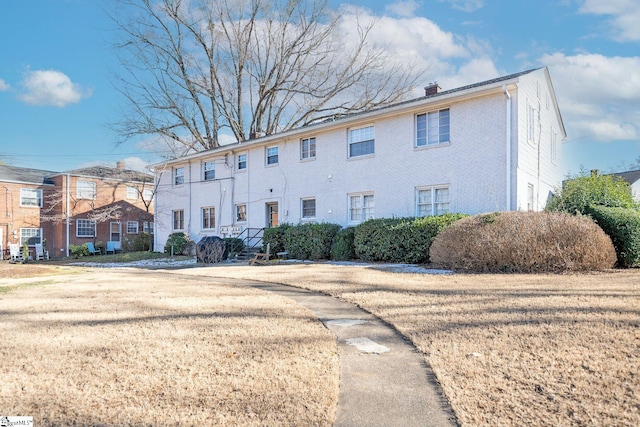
196	70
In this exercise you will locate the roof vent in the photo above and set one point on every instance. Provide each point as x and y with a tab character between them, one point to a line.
432	89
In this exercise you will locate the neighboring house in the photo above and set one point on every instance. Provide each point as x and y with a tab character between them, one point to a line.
490	146
95	204
633	178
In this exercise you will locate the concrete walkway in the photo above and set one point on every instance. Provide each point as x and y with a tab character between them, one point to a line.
384	381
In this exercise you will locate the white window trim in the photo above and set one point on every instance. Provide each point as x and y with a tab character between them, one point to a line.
205	170
38	197
350	142
246	162
362	207
246	213
427	145
85	193
433	189
130	224
148	227
132	193
266	155
78	228
175	177
212	217
173	220
308	140
315	209
30	228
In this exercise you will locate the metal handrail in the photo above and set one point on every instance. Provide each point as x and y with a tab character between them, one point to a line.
251	238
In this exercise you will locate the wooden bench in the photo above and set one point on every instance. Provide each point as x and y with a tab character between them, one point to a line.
261	258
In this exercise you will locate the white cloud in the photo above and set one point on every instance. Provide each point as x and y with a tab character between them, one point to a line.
51	88
625	15
404	9
466	5
598	95
4	86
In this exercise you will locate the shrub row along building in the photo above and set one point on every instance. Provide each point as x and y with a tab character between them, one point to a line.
490	146
96	204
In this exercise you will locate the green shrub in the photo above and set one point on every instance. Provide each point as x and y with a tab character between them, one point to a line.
138	243
524	242
77	251
309	241
578	193
623	226
234	245
405	240
275	238
178	244
343	248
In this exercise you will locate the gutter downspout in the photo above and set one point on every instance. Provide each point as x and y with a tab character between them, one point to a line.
67	217
508	147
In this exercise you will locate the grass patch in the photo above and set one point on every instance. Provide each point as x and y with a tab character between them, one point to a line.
6	289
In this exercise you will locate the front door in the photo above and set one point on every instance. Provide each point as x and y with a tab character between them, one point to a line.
272	215
115	231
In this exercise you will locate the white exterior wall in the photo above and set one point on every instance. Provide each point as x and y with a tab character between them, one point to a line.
473	166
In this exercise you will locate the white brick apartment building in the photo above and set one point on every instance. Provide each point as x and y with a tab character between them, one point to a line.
490	146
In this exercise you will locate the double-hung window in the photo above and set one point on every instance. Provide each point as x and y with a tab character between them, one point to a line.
147	194
361	207
209	170
308	208
361	141
147	227
432	201
178	176
30	236
432	128
132	193
208	218
86	190
242	161
132	227
308	148
178	219
241	213
31	197
85	227
272	155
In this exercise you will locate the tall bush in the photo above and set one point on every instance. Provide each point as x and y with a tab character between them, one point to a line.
623	226
274	237
178	244
343	248
310	241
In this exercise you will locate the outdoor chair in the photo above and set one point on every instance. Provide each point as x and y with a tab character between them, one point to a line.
41	254
261	258
92	249
14	251
111	248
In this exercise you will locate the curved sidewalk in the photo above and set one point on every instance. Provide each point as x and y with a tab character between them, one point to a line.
384	381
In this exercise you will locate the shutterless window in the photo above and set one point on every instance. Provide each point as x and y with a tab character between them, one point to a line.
208	218
361	207
242	161
272	155
209	170
308	148
178	176
132	227
30	236
241	213
178	219
85	228
432	128
308	208
132	193
86	190
361	141
31	197
147	227
432	201
147	194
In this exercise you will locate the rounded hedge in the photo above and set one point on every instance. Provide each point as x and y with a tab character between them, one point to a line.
524	242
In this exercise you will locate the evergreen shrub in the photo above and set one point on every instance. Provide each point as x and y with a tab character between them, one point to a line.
180	243
623	226
309	241
343	248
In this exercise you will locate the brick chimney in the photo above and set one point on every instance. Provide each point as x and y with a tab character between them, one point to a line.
432	89
120	165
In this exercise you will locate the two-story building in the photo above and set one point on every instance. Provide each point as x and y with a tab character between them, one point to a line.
490	146
71	208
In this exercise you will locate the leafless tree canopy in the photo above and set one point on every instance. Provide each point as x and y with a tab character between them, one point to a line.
199	69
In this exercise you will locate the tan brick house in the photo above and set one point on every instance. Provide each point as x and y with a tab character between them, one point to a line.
95	204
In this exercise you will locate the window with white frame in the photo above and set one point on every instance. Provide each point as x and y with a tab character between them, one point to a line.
147	227
132	227
308	208
147	194
242	161
178	176
178	219
432	128
86	190
554	146
31	197
361	207
132	193
432	201
361	141
272	155
308	148
85	227
208	218
209	170
31	236
241	213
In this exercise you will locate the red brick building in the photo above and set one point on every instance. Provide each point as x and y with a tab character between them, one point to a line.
96	204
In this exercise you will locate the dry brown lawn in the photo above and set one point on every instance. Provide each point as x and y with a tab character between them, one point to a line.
508	350
146	348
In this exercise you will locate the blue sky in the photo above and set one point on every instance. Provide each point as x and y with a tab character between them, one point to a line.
57	97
